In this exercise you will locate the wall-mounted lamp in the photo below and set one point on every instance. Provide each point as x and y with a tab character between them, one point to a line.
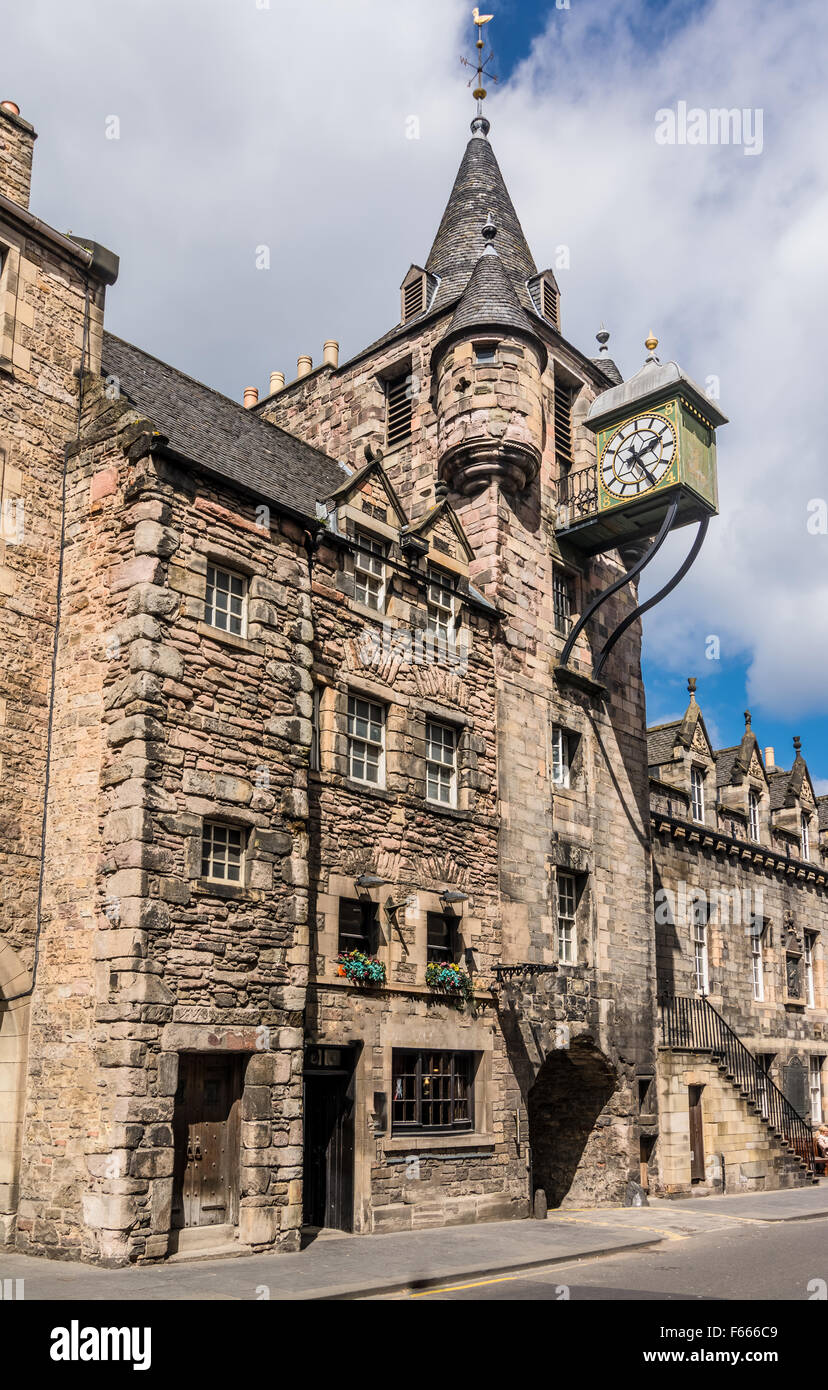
453	895
370	881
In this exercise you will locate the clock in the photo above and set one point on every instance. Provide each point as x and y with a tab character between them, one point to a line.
637	456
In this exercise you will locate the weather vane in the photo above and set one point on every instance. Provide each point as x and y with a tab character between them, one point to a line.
480	63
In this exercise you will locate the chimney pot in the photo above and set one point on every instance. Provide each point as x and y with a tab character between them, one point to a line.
10	106
770	760
304	365
330	353
251	396
277	381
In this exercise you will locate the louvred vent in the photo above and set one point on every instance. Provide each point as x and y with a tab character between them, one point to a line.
564	396
550	302
399	409
414	299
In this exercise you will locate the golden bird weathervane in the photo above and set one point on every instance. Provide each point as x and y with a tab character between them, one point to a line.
480	63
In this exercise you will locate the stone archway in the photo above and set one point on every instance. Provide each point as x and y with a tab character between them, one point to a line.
14	1037
577	1155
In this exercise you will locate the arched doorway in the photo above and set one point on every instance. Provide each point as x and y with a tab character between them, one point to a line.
14	1033
571	1153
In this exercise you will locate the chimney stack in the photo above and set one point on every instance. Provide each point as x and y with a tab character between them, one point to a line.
304	366
330	353
17	139
277	381
251	396
770	761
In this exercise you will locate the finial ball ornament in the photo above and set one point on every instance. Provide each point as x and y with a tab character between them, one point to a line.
651	343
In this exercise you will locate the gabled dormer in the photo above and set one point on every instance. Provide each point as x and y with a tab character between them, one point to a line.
795	810
546	297
681	756
743	789
367	516
416	293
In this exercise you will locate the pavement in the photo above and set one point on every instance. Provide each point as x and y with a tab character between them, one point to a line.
339	1266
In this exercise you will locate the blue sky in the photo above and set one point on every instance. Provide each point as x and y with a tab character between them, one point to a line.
290	126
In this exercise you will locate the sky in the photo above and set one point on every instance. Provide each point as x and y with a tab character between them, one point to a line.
187	138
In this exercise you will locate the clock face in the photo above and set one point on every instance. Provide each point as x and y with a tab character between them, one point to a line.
637	456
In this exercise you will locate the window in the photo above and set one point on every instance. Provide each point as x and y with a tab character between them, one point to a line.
810	942
432	1090
358	926
563	402
369	571
222	848
398	398
414	298
753	814
560	756
815	1087
485	352
700	962
805	837
567	904
561	602
224	602
757	963
441	763
366	741
440	609
441	937
316	747
697	793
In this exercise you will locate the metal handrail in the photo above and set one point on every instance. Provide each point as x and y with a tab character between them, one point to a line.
578	493
691	1021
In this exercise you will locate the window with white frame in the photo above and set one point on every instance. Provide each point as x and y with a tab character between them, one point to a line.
753	814
757	962
222	852
561	602
805	837
561	762
810	941
366	741
567	910
440	607
225	601
369	571
441	763
700	960
697	793
815	1087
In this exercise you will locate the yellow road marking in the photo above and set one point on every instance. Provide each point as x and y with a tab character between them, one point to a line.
453	1288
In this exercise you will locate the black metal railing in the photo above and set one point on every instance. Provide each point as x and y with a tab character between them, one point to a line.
577	495
690	1021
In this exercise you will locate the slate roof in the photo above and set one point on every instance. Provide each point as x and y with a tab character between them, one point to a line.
478	193
661	741
822	811
490	299
218	434
725	763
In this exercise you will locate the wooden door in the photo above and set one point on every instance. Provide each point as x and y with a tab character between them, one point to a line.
207	1136
329	1151
697	1173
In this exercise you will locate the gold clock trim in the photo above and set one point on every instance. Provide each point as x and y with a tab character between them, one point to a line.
640	415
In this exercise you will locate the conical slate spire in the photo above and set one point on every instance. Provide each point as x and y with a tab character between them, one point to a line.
490	300
478	192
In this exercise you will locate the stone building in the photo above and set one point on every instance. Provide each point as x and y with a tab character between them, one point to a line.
327	896
740	863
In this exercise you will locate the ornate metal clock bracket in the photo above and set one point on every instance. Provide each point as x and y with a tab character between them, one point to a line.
613	588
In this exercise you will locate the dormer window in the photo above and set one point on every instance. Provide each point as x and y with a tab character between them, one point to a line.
805	837
550	302
369	571
414	298
697	793
753	814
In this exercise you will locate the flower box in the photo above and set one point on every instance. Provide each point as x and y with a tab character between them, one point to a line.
360	969
444	978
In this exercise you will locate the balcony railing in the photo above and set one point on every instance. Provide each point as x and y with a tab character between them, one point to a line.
577	496
690	1021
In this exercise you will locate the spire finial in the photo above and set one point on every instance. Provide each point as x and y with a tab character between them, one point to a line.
747	720
603	338
797	744
691	686
651	344
480	64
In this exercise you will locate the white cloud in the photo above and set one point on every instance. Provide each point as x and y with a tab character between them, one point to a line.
287	126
